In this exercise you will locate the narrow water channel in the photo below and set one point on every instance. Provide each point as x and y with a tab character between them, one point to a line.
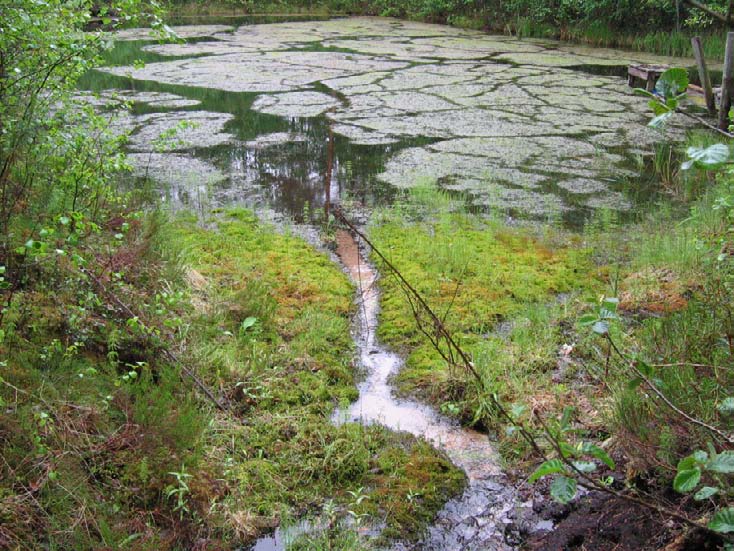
477	518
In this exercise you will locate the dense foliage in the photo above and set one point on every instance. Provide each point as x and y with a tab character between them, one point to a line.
662	26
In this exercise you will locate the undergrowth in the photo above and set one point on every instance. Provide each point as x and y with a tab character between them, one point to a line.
658	35
106	442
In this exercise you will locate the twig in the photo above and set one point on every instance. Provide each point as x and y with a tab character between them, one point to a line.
665	399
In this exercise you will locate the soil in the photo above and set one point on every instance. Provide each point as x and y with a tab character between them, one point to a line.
600	522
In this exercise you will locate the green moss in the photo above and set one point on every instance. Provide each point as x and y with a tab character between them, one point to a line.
286	374
104	449
478	274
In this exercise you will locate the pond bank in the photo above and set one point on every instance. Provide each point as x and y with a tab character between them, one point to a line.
669	42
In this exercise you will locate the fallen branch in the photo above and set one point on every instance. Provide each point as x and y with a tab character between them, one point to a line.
704	8
438	333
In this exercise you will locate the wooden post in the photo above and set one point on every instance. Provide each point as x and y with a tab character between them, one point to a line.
726	82
703	75
328	174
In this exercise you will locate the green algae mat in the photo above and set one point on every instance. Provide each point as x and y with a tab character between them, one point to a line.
531	128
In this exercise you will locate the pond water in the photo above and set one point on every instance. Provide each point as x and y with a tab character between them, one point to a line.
291	116
531	128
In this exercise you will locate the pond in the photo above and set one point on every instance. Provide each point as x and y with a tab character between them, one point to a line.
291	116
252	114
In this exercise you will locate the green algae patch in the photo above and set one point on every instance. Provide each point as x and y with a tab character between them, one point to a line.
273	292
272	331
503	293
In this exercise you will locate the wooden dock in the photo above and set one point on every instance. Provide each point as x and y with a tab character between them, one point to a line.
647	73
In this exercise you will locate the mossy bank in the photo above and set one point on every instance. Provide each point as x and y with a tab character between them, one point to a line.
263	319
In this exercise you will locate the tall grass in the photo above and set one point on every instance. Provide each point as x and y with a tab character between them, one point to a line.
601	34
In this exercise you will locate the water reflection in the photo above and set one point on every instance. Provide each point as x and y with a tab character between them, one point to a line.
286	175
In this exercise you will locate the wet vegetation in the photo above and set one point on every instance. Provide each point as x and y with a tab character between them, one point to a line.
171	361
504	292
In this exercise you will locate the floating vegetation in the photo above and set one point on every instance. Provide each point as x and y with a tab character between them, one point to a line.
512	123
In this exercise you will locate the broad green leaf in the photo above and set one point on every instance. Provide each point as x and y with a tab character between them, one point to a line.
567	450
247	323
701	456
600	328
610	303
588	319
687	480
707	157
722	463
726	407
605	314
672	82
705	493
598	453
686	463
723	521
551	466
563	489
585	466
660	120
643	92
658	107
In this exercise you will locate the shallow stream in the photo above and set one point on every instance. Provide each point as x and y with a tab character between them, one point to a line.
291	117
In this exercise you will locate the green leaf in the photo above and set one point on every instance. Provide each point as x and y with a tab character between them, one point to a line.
247	323
567	417
687	480
660	120
585	466
588	319
672	82
643	92
563	489
658	107
707	157
598	453
698	458
726	407
722	463
551	466
701	456
705	493
600	328
610	303
723	521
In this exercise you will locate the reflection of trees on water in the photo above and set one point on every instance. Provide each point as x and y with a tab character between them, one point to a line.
304	174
